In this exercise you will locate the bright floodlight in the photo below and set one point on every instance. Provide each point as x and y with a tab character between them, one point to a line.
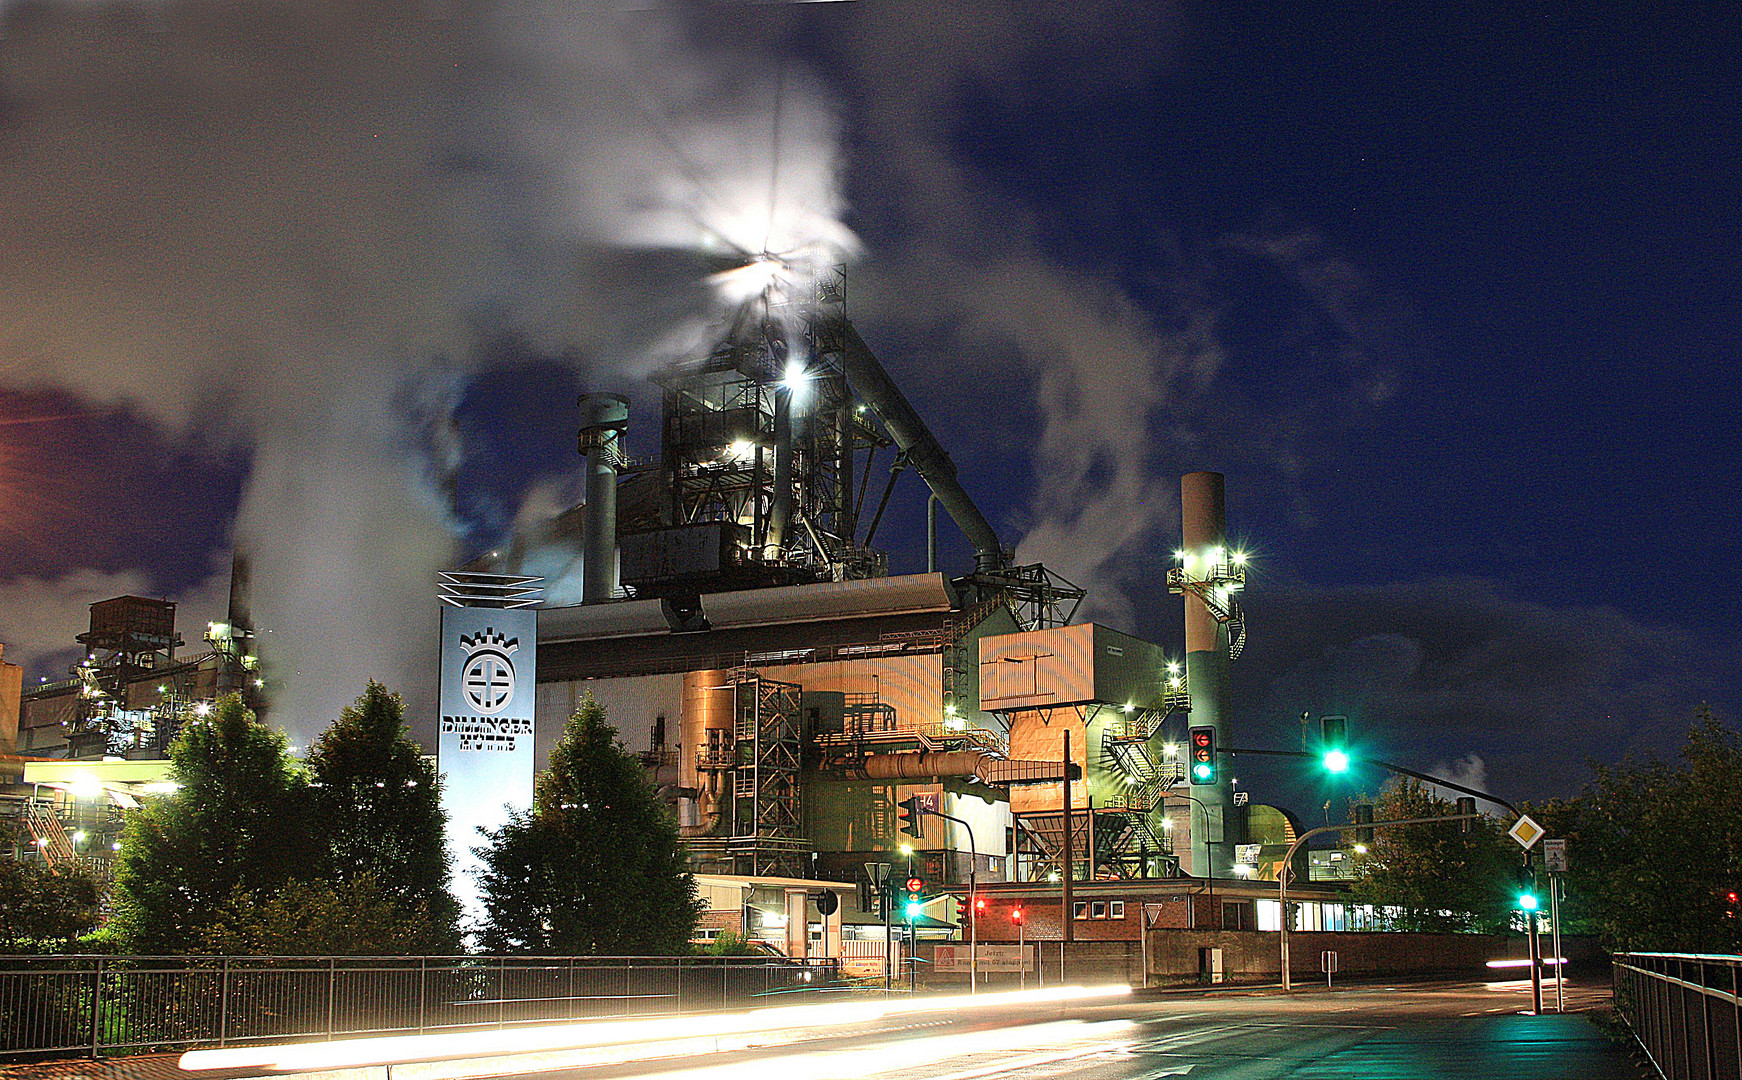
796	375
1336	761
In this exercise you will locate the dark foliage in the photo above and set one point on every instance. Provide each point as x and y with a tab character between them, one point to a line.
378	813
43	909
596	867
1435	878
238	822
1655	848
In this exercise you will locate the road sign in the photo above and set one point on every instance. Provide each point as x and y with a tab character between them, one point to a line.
1247	854
878	872
1554	856
1328	962
1241	798
1526	832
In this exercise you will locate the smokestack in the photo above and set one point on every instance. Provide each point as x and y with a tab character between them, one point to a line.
1204	540
604	419
241	613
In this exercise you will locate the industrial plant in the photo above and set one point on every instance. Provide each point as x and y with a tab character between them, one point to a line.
727	603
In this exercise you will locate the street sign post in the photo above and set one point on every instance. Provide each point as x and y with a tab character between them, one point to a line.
1328	965
1554	859
1554	856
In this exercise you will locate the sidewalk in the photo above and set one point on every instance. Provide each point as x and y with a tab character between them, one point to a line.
1549	1047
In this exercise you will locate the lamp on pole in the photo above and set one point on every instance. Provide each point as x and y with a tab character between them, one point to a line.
1210	868
1288	863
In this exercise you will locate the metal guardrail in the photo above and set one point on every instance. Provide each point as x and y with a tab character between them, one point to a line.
1685	1010
95	1004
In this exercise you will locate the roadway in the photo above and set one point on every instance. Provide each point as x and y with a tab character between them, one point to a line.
1405	1031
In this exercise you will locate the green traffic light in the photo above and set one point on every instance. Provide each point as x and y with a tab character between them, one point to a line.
1203	770
1526	902
913	909
1336	761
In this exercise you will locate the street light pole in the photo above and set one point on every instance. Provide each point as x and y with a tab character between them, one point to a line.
973	897
1210	869
1288	863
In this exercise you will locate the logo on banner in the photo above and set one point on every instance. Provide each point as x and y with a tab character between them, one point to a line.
488	677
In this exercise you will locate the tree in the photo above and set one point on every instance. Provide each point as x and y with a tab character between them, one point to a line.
596	867
236	822
1655	848
378	812
354	917
1434	878
41	906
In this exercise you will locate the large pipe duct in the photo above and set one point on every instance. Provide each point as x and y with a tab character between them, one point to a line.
960	763
868	380
603	418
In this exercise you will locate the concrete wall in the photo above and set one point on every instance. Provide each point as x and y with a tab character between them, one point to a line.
1174	955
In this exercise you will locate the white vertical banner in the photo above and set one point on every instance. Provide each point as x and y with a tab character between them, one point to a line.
484	749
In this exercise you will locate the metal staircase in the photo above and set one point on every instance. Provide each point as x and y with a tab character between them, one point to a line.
46	830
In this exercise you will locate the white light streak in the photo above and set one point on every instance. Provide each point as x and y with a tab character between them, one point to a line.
652	1037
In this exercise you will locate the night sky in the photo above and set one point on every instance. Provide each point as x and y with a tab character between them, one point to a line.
1449	294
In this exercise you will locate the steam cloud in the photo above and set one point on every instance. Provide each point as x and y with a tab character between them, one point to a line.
285	224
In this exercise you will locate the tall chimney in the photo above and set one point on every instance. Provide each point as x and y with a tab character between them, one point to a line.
604	419
1204	540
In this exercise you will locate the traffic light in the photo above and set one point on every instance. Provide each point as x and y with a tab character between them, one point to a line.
1731	902
1017	915
1364	816
961	911
1202	744
912	818
1466	805
1527	900
915	898
1334	738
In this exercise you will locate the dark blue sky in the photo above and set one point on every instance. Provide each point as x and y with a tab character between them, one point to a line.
1471	274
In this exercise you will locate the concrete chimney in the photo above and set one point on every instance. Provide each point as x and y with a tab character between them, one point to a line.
604	419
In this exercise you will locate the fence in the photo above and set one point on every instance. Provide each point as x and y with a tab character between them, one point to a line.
1685	1011
93	1005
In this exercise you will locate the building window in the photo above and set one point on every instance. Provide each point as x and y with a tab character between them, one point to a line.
1100	909
1079	909
1116	909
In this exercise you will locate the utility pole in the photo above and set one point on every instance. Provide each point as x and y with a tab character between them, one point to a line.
1065	893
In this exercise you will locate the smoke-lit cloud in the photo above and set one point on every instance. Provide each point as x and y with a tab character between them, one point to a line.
1461	674
283	226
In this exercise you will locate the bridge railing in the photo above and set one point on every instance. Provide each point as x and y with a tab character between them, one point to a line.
1685	1010
127	1004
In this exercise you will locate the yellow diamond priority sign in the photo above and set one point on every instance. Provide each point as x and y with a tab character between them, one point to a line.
1526	832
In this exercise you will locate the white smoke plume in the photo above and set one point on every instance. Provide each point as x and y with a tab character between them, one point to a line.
279	224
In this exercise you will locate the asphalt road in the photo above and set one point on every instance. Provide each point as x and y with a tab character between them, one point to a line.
1376	1032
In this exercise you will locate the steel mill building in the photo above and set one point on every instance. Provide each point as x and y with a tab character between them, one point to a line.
727	604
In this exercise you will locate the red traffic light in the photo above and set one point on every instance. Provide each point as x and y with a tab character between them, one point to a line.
915	885
1016	915
981	904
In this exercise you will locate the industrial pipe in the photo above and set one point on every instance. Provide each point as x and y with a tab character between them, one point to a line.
927	766
868	380
603	420
931	533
